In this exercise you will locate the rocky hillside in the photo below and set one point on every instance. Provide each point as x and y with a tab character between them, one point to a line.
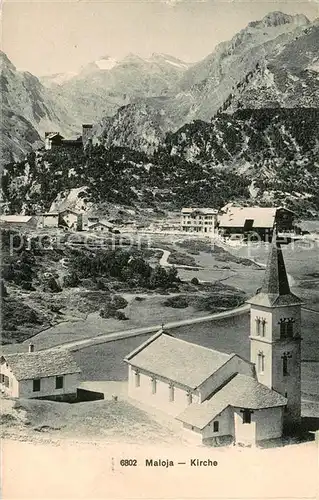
27	112
270	63
268	155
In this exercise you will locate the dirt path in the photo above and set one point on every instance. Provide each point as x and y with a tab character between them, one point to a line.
109	337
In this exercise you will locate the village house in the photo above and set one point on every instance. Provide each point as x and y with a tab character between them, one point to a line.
56	140
260	220
18	221
72	219
221	397
100	226
50	374
92	219
48	219
198	220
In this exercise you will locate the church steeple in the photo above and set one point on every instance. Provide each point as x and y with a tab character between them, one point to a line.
275	334
275	290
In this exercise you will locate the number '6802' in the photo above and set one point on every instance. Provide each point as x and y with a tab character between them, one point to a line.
128	462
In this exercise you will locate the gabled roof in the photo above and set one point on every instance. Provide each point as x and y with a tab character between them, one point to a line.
100	223
40	364
51	135
69	210
263	217
177	360
275	290
16	218
240	392
204	211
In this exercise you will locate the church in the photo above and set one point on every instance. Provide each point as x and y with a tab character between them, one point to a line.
221	398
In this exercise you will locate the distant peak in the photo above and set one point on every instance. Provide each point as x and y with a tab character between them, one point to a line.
278	18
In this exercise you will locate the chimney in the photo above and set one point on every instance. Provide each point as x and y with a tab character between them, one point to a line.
31	347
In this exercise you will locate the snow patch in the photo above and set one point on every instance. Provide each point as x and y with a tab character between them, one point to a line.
106	64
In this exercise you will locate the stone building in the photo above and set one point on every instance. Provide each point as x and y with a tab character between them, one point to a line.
198	220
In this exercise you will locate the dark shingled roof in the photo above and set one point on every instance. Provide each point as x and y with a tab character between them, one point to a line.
177	360
241	392
39	364
275	290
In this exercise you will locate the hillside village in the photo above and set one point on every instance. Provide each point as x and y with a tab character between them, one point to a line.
160	268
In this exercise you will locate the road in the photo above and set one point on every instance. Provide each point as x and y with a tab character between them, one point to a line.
135	332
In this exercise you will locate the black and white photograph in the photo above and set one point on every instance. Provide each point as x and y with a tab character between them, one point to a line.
159	249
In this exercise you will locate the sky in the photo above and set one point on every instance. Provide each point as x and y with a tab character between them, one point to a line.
49	37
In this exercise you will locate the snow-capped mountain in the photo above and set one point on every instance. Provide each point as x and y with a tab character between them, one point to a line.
101	87
264	65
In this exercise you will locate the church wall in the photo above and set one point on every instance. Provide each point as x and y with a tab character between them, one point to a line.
288	385
259	346
161	398
226	424
268	423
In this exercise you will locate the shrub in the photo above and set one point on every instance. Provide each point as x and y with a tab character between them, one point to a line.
51	285
71	280
27	285
118	302
195	281
178	302
120	315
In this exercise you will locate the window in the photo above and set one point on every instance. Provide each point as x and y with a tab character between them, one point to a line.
286	327
171	393
59	382
246	416
261	362
137	378
36	385
258	326
153	380
189	398
285	357
4	380
216	426
263	327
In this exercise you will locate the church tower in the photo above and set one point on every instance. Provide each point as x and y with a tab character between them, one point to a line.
275	335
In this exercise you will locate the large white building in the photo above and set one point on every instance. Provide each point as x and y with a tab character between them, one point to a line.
198	220
218	395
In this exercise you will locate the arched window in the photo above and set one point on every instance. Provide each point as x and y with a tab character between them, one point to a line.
137	378
285	357
153	381
263	327
286	327
261	362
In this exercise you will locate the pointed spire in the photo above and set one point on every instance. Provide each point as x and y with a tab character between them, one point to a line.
275	290
276	279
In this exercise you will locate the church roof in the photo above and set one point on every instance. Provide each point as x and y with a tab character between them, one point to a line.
240	392
177	360
275	290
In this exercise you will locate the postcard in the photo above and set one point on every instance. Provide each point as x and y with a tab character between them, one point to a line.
160	250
